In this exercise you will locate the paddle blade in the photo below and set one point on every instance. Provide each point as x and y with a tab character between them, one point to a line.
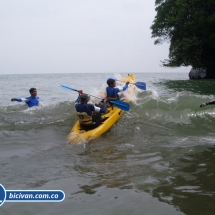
140	85
121	105
67	87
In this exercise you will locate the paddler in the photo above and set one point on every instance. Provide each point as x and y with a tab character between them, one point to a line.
112	91
89	113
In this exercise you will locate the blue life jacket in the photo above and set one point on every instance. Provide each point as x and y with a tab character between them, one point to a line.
86	112
112	92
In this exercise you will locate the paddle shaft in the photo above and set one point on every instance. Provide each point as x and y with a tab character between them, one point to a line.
140	85
118	103
70	88
125	82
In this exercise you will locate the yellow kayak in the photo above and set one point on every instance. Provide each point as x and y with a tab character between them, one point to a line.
78	135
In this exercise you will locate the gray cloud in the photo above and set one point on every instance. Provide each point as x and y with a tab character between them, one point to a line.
54	36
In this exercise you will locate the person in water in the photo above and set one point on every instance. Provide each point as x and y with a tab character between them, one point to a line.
89	115
31	101
112	91
207	103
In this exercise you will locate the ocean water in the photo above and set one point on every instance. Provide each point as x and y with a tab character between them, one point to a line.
157	159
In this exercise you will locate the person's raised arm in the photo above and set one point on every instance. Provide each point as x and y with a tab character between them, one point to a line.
78	99
207	103
126	85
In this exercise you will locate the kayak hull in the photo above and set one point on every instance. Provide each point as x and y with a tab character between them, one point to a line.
77	135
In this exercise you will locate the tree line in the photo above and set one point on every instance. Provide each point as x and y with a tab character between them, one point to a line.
189	27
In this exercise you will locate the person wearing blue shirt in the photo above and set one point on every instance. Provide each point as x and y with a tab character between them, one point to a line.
112	91
89	115
31	101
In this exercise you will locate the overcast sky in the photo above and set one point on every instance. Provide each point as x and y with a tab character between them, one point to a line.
73	36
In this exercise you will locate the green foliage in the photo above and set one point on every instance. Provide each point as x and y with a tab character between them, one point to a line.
189	26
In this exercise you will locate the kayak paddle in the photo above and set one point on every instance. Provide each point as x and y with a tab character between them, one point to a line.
140	85
121	105
118	103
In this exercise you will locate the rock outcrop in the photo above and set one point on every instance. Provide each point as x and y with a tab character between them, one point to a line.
197	73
